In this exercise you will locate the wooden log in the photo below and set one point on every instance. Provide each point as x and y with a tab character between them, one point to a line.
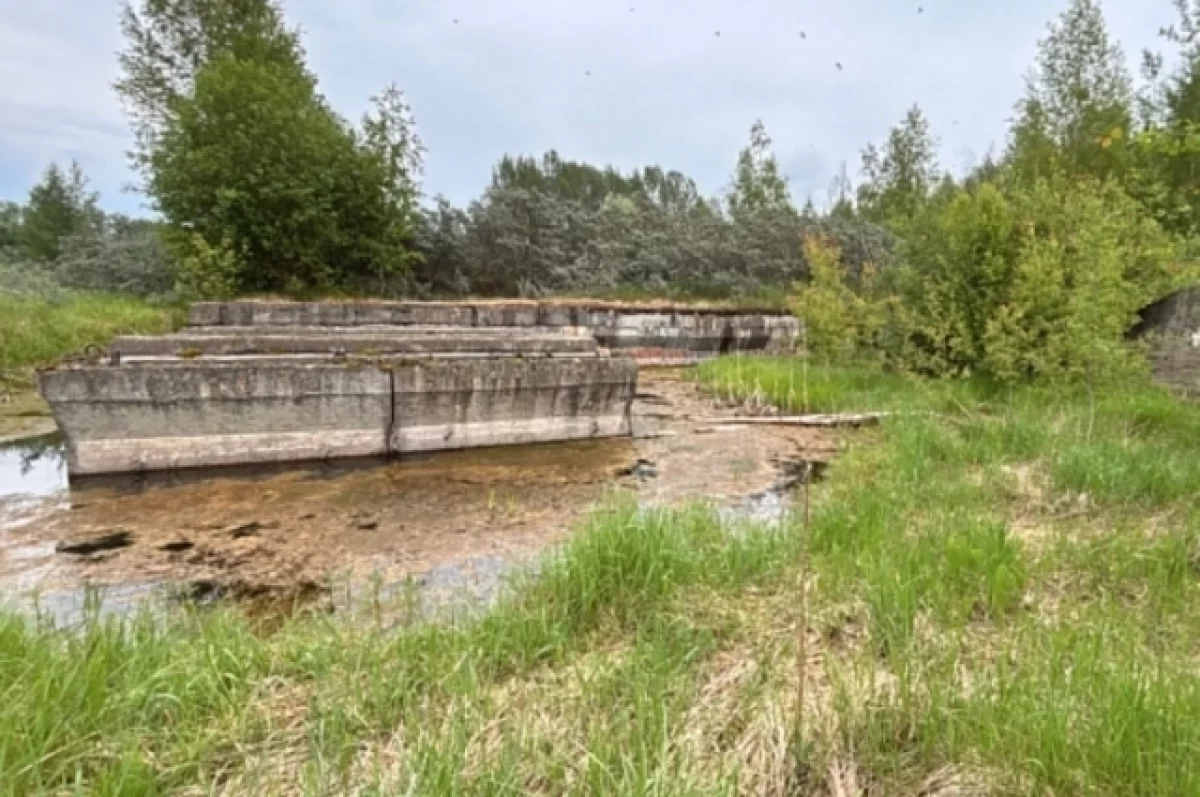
843	419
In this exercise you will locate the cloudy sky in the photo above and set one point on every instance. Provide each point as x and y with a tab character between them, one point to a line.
664	88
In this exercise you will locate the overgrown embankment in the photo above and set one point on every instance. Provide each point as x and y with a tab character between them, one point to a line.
35	331
1002	597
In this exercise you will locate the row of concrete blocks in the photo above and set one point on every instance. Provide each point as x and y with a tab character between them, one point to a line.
666	332
152	414
265	381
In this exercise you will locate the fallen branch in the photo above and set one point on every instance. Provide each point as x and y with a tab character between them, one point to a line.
848	419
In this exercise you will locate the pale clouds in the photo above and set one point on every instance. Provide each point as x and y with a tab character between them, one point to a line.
513	77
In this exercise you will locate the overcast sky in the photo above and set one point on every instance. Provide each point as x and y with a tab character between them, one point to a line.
664	88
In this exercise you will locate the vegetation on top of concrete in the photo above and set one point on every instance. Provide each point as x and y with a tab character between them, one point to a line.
1001	597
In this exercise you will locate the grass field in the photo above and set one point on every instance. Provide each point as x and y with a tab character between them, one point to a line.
37	332
999	596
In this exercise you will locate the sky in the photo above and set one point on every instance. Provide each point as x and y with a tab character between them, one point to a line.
674	83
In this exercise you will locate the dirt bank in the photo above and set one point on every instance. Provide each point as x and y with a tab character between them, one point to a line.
296	531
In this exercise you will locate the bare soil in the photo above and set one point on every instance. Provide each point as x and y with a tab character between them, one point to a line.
295	531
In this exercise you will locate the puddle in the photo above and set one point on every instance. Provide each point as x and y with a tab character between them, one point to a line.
33	468
449	527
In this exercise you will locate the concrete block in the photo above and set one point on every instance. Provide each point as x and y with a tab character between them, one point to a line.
694	331
1170	329
506	314
185	415
441	405
366	341
169	414
203	314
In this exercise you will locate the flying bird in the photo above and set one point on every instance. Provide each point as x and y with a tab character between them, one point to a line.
588	73
456	21
803	35
839	66
920	9
718	33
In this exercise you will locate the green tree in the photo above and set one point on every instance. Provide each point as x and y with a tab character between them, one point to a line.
389	133
256	161
1168	149
898	178
59	206
10	226
1076	115
126	256
592	186
168	43
238	147
841	195
1181	92
757	182
565	179
672	191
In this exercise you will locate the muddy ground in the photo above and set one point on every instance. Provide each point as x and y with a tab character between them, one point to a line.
294	532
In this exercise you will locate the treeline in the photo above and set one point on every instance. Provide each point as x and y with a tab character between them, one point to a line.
555	226
261	187
60	240
1032	264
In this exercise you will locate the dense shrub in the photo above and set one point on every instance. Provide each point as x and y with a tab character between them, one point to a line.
1027	281
845	318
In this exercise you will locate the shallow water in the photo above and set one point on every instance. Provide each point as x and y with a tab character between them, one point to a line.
443	531
33	468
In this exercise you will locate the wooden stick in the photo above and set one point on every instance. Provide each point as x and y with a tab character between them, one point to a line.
854	419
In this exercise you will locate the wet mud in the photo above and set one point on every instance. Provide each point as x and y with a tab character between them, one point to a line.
451	524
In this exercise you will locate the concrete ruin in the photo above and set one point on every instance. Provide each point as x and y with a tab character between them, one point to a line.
1171	329
250	382
659	333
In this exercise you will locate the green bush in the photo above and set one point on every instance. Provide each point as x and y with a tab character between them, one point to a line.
205	271
843	322
1025	282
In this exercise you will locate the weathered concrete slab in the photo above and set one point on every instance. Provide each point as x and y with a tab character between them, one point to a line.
442	404
227	341
173	414
259	381
181	415
652	332
1171	329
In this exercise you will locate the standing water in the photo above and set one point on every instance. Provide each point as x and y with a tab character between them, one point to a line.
441	524
32	468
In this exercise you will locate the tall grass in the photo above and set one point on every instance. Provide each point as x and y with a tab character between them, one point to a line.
1025	563
154	704
36	332
1004	598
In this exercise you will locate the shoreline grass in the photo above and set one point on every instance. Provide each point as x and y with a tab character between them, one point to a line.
36	332
1003	598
